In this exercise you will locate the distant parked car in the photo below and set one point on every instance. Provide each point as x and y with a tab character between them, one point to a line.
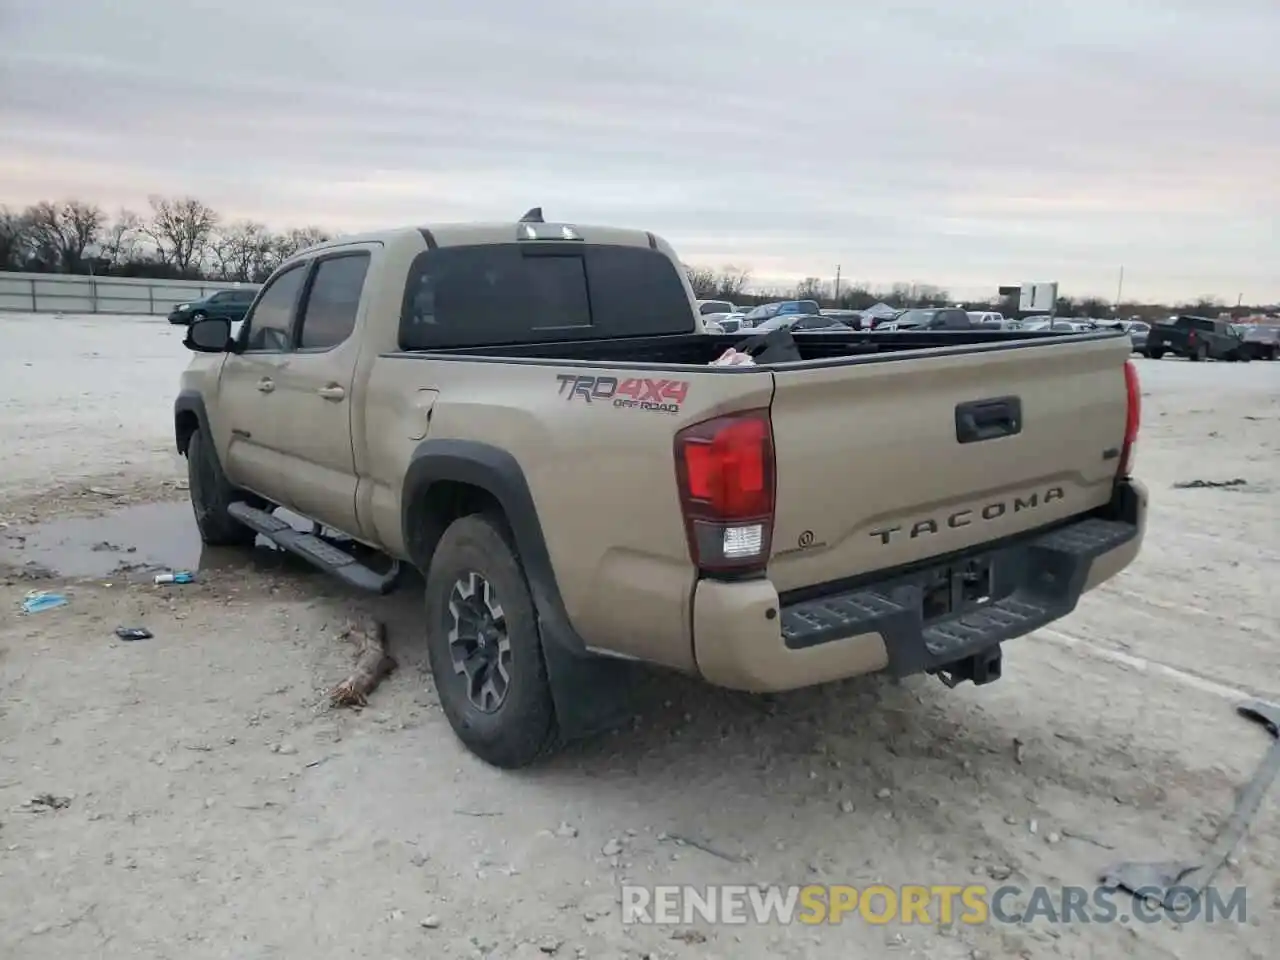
988	319
706	307
232	304
802	323
1262	342
938	318
851	317
726	322
767	311
1196	338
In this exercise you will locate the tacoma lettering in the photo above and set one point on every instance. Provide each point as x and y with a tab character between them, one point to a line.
963	518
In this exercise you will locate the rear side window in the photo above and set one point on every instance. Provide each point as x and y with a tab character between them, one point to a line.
329	315
496	294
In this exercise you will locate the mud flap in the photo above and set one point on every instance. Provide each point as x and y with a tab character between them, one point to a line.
592	694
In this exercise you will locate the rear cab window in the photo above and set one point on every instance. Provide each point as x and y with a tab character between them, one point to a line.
499	294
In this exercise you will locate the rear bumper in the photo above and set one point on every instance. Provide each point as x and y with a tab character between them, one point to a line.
746	638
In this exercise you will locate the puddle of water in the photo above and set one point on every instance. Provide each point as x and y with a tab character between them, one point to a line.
143	538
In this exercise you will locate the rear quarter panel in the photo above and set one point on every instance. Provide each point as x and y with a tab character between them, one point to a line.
601	473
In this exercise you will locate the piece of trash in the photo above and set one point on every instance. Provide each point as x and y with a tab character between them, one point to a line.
178	576
733	358
103	492
1209	484
134	633
40	600
47	801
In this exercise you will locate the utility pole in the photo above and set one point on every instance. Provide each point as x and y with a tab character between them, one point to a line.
1120	288
837	291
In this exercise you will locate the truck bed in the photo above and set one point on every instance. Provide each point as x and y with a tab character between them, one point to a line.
700	349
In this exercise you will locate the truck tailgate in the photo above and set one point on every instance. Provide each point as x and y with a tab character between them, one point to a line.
872	473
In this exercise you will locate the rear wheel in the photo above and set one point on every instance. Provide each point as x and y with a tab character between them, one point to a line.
1155	354
484	647
212	494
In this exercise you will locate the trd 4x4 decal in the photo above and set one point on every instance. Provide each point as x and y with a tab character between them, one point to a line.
658	396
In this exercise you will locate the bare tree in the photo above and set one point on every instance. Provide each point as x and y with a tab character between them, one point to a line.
704	281
731	282
63	230
15	239
181	229
243	251
121	239
810	288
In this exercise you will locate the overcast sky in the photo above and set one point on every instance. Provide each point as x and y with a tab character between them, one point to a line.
963	144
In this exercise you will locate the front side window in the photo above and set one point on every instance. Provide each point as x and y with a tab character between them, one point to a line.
271	320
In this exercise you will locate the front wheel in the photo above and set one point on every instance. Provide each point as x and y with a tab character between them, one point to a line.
212	494
484	647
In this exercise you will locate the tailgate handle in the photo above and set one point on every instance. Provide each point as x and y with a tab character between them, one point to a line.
988	419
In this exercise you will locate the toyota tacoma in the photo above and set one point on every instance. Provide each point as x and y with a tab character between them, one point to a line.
530	415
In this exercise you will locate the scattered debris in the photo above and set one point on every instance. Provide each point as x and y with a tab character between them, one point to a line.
550	945
846	806
37	601
430	923
566	830
1087	839
134	633
285	749
1208	484
689	936
104	492
44	802
704	847
177	576
1018	748
478	813
373	663
612	848
884	793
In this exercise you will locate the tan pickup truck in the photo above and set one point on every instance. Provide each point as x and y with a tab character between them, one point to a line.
525	413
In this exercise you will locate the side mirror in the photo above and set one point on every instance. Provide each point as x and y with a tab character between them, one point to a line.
210	335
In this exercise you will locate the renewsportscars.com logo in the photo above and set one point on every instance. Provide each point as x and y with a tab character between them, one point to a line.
919	904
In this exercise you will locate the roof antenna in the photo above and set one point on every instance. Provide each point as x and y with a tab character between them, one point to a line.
533	216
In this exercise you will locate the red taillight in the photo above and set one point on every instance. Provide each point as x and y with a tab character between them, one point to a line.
1133	418
724	469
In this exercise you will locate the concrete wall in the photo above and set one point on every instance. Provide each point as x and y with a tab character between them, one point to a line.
63	293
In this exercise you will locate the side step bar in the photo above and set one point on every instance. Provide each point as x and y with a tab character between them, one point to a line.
319	552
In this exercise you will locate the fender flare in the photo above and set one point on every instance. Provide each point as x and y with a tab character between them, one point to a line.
188	402
588	689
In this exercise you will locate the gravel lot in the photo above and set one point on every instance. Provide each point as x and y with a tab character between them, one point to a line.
217	809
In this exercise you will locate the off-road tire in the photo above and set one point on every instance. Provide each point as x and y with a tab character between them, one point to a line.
523	727
1155	354
211	494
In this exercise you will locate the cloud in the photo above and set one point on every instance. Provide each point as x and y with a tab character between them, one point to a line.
965	145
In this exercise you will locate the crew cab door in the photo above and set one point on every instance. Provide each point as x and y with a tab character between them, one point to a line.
314	390
251	428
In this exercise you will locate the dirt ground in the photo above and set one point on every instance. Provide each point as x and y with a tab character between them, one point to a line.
201	801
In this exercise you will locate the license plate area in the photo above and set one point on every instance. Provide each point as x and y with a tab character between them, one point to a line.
956	589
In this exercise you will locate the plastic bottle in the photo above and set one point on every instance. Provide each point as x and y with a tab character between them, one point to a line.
181	576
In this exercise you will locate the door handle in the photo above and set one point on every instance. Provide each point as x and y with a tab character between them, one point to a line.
266	385
988	419
332	392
